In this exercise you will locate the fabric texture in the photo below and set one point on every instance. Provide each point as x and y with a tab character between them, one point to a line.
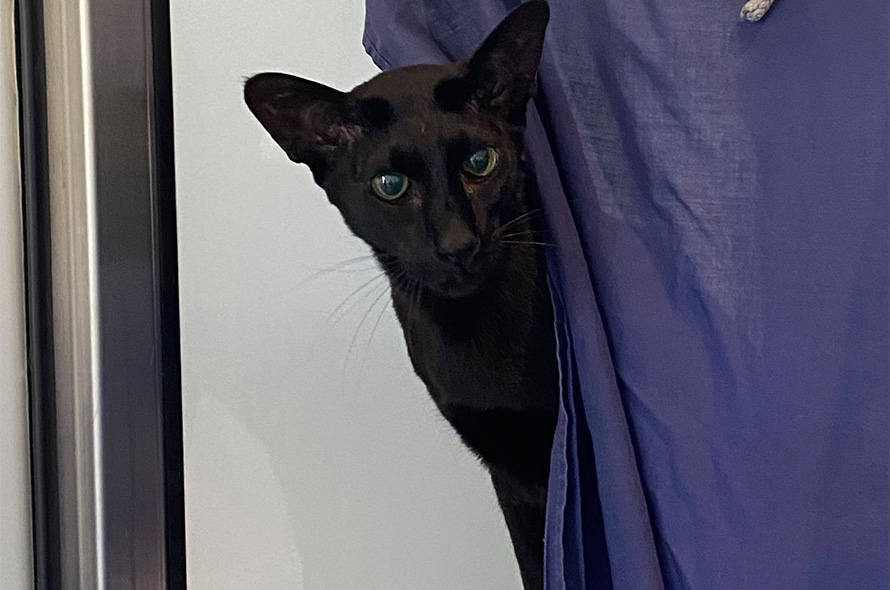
718	194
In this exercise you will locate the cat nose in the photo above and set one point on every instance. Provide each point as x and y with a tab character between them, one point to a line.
459	254
457	244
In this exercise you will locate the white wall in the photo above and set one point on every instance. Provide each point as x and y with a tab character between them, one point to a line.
15	510
305	466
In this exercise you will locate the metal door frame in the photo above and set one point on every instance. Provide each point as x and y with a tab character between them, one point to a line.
102	300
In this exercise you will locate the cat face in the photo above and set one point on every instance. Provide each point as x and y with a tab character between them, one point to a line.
423	162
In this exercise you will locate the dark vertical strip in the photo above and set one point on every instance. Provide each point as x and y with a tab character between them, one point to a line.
30	69
167	273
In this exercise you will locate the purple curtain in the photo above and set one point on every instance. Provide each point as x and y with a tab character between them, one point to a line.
718	191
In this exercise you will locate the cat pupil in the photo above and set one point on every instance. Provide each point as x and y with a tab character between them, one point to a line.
389	186
481	162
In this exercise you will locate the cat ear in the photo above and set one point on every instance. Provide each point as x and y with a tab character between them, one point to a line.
505	67
307	119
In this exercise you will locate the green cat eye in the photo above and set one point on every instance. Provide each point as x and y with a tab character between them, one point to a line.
481	162
389	186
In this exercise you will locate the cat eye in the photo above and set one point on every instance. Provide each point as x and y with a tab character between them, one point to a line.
481	162
389	186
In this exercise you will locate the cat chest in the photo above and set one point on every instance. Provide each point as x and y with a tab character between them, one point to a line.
469	374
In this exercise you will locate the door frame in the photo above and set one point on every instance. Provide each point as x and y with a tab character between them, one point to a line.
101	293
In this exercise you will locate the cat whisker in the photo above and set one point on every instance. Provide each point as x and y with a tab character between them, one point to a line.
360	324
413	309
525	216
368	294
528	243
399	279
529	233
340	266
373	331
419	296
331	320
391	266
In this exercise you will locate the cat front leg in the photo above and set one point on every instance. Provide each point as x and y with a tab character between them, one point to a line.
524	507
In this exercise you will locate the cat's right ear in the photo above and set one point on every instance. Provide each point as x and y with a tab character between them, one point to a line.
305	118
505	67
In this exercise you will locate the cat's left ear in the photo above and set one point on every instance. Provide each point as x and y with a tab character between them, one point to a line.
505	67
310	121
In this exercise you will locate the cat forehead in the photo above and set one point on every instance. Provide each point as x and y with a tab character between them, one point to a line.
409	88
427	139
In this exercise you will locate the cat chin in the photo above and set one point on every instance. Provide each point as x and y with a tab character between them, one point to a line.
457	287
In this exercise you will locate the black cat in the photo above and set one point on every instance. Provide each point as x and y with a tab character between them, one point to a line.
425	164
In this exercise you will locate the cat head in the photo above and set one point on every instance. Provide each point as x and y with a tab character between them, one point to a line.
423	161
